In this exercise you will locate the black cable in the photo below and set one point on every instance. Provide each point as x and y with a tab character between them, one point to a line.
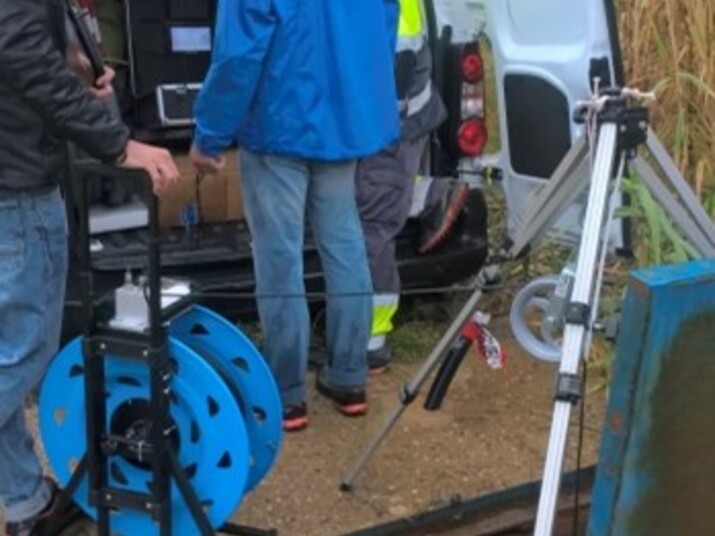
252	295
579	451
427	291
199	209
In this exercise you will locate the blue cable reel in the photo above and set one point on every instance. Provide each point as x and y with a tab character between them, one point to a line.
224	403
230	352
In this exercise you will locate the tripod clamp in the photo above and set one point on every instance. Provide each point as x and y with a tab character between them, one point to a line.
623	106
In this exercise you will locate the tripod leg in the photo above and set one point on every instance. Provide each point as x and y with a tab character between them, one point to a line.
575	332
409	392
681	186
564	186
704	244
241	530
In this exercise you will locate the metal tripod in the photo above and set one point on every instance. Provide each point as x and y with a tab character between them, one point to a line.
618	125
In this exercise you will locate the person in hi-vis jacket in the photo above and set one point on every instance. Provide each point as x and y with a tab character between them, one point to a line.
389	187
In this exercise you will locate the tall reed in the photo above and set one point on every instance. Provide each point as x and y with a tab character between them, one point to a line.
669	46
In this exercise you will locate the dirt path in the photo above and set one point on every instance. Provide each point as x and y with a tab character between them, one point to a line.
490	434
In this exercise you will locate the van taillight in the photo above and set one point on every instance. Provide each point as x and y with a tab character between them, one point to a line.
472	68
472	131
472	137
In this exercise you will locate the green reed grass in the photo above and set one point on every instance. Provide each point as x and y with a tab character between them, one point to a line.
669	46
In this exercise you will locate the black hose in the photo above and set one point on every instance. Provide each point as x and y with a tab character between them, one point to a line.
446	373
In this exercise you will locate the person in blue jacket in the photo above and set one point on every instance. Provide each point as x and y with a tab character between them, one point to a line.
304	89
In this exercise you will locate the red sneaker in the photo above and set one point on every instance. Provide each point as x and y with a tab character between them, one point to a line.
295	417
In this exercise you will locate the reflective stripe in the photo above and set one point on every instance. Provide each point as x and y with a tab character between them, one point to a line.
418	102
384	307
419	195
414	44
385	298
376	342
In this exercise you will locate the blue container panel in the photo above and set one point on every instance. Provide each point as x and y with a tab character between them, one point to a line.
656	471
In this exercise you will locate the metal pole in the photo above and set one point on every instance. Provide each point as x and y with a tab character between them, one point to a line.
93	358
575	333
680	185
704	243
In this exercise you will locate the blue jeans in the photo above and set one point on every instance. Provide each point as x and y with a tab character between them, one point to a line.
279	193
33	270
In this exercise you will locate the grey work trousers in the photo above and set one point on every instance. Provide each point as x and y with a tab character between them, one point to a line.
384	188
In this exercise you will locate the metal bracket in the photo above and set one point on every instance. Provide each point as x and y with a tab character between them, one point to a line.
579	314
568	388
407	396
632	129
616	106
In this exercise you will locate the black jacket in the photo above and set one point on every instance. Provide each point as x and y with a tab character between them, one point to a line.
43	103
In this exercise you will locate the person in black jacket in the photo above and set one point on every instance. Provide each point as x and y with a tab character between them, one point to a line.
43	105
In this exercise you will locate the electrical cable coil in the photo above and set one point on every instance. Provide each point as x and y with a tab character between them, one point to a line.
224	405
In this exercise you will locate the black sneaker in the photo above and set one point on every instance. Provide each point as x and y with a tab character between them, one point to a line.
350	401
438	220
295	417
378	360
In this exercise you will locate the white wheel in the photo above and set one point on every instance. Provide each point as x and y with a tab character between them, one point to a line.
527	315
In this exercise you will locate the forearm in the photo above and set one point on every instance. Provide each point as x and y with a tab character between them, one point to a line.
223	103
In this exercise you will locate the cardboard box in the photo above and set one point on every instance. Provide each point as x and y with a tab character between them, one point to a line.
220	194
234	195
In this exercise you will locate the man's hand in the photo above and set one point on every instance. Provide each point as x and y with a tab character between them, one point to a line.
155	161
102	89
206	165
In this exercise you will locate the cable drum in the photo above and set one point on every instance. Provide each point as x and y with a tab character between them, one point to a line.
226	436
235	356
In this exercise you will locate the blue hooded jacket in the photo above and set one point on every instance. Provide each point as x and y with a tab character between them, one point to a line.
312	79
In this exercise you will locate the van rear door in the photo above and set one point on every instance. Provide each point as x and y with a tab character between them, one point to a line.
546	55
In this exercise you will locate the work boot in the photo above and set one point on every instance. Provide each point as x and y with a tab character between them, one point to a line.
350	401
49	522
378	360
439	218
